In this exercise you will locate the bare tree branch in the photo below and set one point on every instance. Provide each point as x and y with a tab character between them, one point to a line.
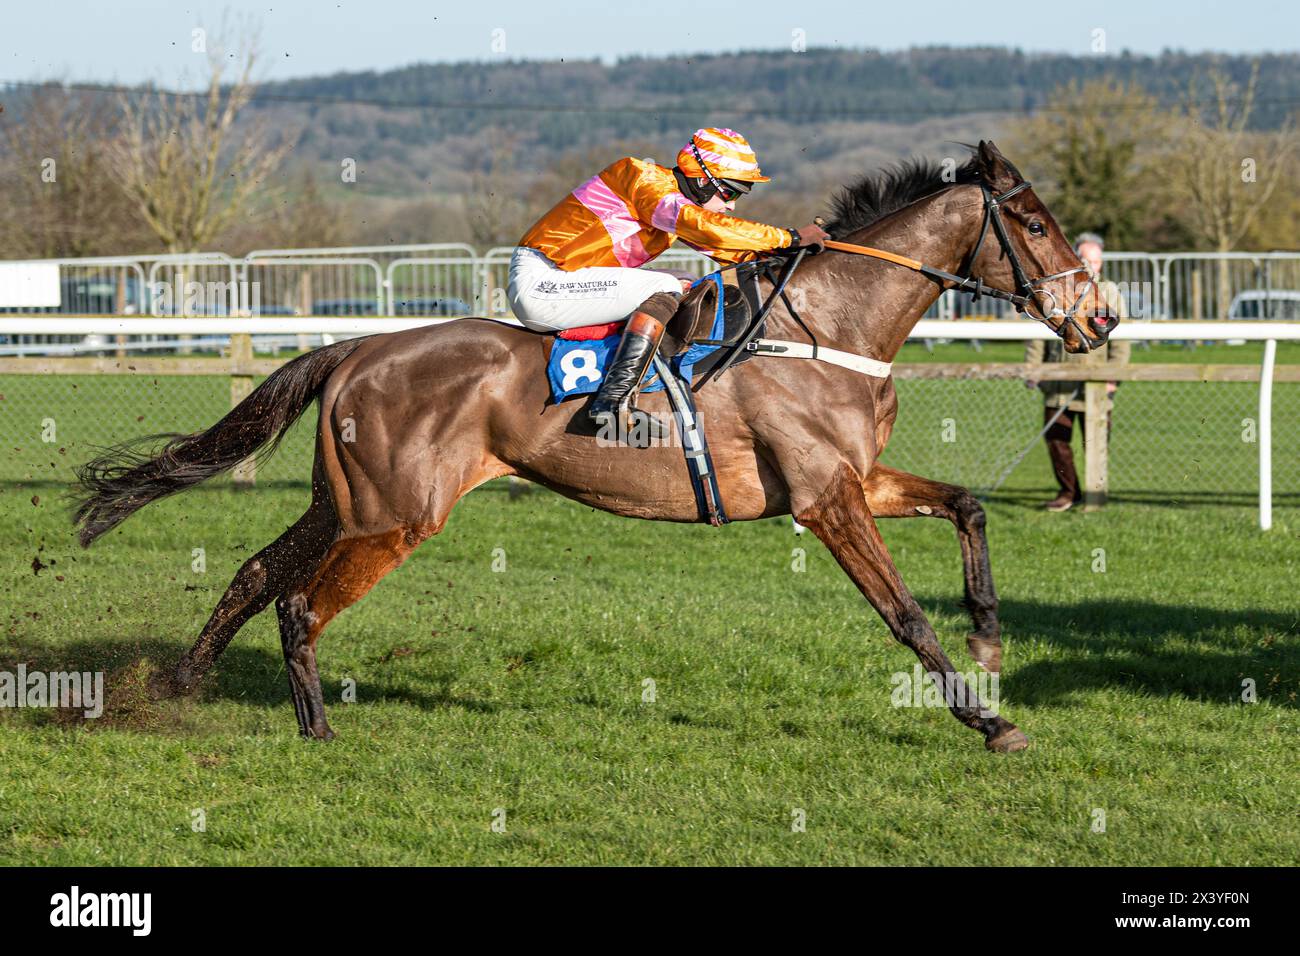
180	159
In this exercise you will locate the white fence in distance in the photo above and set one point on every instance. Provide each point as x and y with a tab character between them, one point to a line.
451	279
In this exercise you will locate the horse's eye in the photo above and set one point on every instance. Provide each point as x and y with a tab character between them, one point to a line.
1036	228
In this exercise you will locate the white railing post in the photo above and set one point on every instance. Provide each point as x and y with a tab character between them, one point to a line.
1157	308
1266	435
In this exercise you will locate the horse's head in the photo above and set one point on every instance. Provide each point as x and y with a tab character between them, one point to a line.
1023	251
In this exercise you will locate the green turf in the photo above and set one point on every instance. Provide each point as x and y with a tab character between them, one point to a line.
523	688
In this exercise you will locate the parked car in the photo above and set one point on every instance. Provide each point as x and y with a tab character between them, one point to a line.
345	307
432	306
275	310
1255	305
221	310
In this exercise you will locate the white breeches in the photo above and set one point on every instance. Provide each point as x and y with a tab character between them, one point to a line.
545	298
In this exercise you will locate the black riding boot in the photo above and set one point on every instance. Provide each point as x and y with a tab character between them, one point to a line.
615	403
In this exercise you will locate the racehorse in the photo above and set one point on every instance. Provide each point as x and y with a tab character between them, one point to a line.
411	421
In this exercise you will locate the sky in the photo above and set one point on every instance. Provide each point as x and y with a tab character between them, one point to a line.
132	41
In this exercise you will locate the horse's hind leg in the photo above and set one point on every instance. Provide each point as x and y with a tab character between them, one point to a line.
351	568
839	517
291	557
897	494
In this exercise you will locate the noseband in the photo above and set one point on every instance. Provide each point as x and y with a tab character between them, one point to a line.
1028	291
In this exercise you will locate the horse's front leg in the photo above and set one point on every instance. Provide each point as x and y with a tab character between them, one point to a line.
838	515
896	494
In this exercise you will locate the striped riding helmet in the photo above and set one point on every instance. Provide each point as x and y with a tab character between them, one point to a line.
726	155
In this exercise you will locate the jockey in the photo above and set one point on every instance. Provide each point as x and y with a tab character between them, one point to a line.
578	265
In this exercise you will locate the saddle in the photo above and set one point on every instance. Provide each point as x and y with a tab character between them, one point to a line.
710	318
693	323
707	325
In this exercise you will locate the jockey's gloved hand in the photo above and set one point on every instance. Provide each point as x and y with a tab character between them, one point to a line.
812	235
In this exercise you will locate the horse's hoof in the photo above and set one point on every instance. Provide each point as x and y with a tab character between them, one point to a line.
986	654
164	686
1007	742
317	733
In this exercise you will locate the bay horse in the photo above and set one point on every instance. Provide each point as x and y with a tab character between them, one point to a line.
411	421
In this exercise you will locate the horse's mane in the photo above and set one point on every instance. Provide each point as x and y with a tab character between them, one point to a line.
876	195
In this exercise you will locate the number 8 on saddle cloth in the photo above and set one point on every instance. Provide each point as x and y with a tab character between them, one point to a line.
577	365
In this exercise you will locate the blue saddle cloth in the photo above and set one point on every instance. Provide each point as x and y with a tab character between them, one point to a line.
577	367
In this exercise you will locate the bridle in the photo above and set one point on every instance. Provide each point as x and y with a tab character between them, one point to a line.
1028	291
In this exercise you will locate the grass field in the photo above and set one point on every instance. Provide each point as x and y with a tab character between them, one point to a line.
522	689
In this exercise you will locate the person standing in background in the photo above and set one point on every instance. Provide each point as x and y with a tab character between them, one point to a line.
1067	398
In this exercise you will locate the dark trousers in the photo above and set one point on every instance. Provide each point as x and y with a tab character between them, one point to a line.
1058	447
1059	451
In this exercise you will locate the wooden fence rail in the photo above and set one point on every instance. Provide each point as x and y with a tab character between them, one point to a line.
243	368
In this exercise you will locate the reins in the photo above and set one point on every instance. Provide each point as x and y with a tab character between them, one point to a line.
1028	291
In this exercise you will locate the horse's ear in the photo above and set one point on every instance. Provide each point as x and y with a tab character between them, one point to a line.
993	166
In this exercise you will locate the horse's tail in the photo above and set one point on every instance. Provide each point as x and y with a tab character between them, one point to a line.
130	475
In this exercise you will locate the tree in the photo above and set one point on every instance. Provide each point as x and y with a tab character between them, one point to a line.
494	210
1277	226
1226	172
177	157
59	197
305	218
1089	156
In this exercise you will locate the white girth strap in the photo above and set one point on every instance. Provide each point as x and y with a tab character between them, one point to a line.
782	349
